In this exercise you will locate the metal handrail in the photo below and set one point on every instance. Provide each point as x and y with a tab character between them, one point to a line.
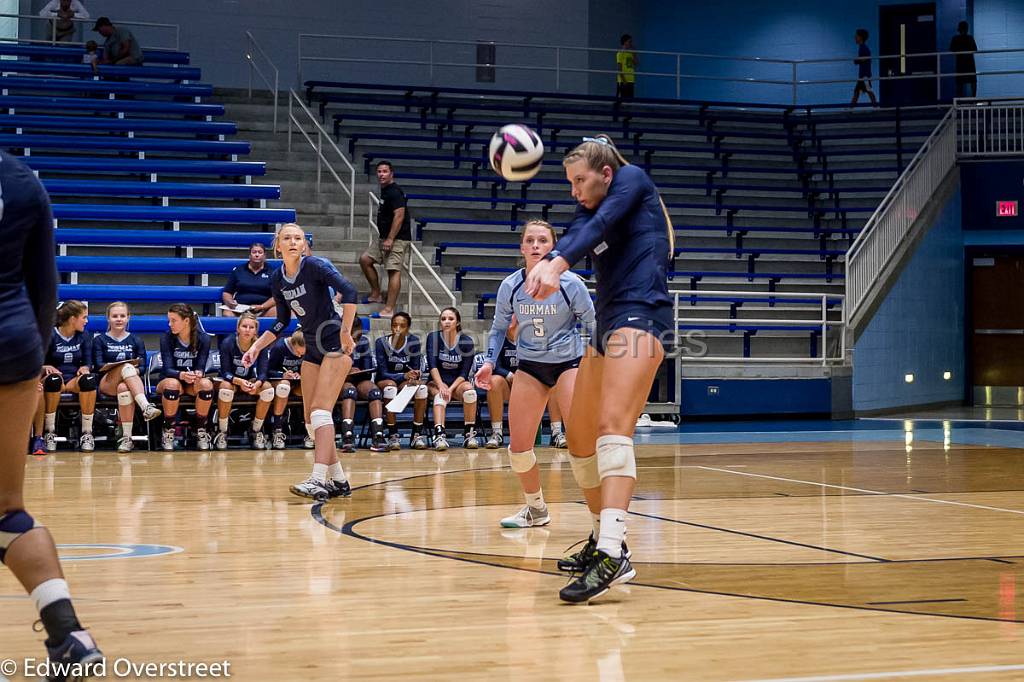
888	226
53	32
321	159
250	44
794	81
990	127
374	203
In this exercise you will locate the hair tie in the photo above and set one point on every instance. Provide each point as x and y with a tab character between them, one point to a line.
599	140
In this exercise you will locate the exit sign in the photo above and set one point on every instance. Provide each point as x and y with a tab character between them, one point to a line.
1006	209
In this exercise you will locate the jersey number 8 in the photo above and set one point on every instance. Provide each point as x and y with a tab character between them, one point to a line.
299	310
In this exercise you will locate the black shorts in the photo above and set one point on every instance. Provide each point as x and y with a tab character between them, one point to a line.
547	373
659	321
329	342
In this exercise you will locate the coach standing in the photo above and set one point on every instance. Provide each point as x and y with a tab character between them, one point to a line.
391	243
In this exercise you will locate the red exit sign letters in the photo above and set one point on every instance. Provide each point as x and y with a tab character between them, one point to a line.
1006	209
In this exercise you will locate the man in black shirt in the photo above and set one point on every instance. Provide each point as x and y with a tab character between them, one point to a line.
249	284
390	245
966	79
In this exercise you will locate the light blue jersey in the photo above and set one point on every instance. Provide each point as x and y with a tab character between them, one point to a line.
547	329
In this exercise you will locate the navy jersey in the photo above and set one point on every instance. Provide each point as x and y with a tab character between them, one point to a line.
28	271
393	363
308	296
68	355
628	237
176	357
231	362
106	349
450	362
507	360
281	359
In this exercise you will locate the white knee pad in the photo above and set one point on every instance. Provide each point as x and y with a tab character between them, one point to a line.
522	461
319	418
390	392
129	371
439	401
226	394
422	392
584	470
469	397
267	394
615	457
283	390
124	398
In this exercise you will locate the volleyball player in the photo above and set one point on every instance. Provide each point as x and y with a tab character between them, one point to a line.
301	285
549	351
622	222
505	364
359	384
284	362
399	359
449	359
28	295
250	379
116	354
68	368
184	350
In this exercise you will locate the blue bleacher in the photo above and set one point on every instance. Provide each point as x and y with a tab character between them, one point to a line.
83	104
74	54
173	238
168	214
122	166
20	83
198	190
125	144
187	266
157	125
150	293
172	73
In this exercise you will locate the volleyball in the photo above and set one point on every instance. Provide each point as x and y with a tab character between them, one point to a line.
516	152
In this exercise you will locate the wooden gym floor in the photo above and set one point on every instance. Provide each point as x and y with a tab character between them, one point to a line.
853	555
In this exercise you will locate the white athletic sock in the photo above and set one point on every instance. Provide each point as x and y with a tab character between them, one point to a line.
309	430
223	425
613	532
336	472
126	429
595	519
50	591
142	401
535	500
87	423
496	427
49	422
556	428
257	425
319	473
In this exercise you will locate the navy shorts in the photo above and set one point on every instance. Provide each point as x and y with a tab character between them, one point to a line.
547	373
659	321
329	342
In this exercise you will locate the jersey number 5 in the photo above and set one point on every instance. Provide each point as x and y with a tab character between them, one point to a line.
538	327
299	310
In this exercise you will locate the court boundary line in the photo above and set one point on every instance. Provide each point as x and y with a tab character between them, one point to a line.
894	674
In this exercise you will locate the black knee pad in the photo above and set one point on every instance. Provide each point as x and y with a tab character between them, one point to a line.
53	383
375	394
204	395
349	393
88	382
171	394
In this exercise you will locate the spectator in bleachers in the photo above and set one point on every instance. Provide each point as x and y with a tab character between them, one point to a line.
284	367
965	47
359	385
863	62
120	47
390	245
626	63
184	350
117	354
252	380
62	12
249	285
68	370
399	359
90	57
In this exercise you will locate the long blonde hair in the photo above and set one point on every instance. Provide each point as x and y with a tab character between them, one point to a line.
600	151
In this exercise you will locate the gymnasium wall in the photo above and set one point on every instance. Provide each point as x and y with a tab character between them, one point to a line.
919	327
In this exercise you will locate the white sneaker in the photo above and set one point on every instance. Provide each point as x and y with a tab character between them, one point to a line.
559	441
167	439
86	443
313	489
220	441
278	441
494	441
469	440
259	440
440	442
308	443
527	517
202	439
151	412
124	444
50	439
